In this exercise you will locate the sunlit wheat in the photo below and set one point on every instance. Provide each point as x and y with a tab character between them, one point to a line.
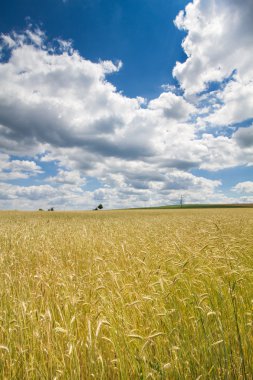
158	294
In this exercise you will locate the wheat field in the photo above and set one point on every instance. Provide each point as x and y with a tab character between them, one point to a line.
147	294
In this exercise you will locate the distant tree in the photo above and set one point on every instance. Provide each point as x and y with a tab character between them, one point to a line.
41	209
99	207
51	209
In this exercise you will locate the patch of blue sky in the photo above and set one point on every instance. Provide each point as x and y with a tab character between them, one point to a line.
222	130
209	99
49	169
92	183
5	54
24	157
229	177
25	182
175	88
243	124
216	86
209	102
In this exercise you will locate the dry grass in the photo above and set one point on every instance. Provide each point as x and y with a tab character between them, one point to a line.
126	295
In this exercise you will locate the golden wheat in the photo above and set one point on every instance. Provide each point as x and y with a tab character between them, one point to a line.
155	294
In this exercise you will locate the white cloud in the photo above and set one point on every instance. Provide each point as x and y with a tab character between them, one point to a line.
122	190
17	169
172	106
219	44
62	100
244	137
67	176
237	103
44	196
219	40
244	187
61	108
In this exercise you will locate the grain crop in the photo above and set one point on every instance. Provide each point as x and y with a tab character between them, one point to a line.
145	294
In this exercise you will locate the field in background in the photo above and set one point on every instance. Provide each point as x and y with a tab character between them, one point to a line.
151	294
197	206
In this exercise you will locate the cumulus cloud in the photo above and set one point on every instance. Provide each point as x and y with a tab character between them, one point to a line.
172	106
53	97
244	187
44	196
121	191
71	177
244	137
236	103
17	169
41	90
219	48
219	40
58	107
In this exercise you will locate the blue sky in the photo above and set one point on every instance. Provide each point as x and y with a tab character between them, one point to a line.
126	102
139	33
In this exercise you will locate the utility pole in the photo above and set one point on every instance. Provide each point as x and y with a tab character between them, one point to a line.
181	201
